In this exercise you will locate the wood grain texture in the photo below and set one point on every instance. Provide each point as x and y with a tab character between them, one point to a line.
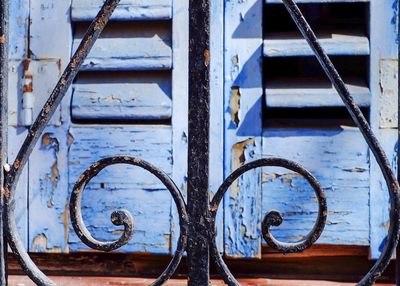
243	125
127	10
15	139
313	93
140	46
342	263
19	22
384	47
48	170
339	160
122	96
318	1
106	281
216	109
124	187
335	43
180	103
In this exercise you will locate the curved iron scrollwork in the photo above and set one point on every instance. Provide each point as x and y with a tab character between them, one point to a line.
123	218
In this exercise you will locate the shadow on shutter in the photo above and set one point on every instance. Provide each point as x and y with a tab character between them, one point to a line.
304	119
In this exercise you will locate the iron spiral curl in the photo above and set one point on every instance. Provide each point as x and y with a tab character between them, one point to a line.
272	218
123	217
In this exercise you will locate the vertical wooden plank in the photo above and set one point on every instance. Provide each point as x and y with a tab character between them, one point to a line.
48	172
198	143
384	90
19	21
243	125
3	128
180	90
16	135
217	107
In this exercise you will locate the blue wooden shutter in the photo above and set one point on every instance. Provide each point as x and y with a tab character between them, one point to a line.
306	121
129	99
301	117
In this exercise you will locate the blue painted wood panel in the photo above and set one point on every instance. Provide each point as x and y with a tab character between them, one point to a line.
139	46
86	10
122	96
335	43
124	187
340	161
243	93
384	89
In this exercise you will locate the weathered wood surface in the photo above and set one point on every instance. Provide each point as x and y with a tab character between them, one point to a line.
138	46
313	93
106	281
384	85
122	96
124	187
335	43
180	104
318	1
243	125
337	263
339	160
86	10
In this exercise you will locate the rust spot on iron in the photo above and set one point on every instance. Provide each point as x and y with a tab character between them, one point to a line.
17	164
5	192
206	58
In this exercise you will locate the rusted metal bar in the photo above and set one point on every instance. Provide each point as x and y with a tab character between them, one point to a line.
398	134
4	34
198	149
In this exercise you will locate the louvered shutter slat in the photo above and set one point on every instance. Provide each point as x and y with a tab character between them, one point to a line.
86	10
317	1
313	94
284	45
129	96
341	27
140	46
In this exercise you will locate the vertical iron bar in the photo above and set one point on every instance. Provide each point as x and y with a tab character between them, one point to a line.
198	144
3	129
398	134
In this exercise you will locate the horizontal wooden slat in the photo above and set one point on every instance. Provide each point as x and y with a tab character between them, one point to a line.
312	93
339	159
317	1
138	46
340	43
122	96
124	186
86	10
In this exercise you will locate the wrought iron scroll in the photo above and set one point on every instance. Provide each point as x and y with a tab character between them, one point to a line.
197	219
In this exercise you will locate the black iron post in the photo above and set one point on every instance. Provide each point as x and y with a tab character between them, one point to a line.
398	136
3	129
199	117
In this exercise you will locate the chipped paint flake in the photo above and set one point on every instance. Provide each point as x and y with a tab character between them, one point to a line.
235	105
